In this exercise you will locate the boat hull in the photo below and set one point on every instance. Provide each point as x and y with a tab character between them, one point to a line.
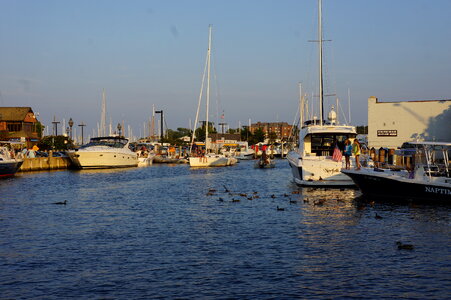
145	161
9	168
212	161
103	160
317	171
377	185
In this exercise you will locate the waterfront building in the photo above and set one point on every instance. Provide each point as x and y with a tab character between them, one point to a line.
19	124
390	124
282	130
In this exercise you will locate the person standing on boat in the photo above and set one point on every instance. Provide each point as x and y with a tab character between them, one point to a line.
347	153
356	152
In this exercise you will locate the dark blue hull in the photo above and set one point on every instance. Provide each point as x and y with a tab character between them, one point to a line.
9	168
383	187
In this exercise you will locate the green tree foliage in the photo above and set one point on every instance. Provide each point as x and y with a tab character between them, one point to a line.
257	137
245	133
39	128
272	137
58	142
362	129
174	136
200	132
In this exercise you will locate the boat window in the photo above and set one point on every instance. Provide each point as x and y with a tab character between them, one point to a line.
324	144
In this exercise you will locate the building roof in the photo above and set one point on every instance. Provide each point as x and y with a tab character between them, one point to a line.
14	113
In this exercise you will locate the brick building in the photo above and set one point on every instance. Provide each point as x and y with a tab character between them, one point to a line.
281	129
19	124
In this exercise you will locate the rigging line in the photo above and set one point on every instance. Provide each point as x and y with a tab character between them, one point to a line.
218	98
342	112
198	104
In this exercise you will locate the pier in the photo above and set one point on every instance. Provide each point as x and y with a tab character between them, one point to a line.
45	163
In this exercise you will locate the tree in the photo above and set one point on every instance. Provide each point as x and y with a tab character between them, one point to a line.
39	128
272	136
362	129
257	137
59	142
200	132
174	137
245	133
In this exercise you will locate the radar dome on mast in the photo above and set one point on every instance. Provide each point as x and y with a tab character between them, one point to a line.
332	117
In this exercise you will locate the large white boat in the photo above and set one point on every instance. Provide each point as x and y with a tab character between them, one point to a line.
9	165
208	159
312	164
428	181
104	152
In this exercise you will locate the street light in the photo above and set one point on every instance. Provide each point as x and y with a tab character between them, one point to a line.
82	125
119	127
71	123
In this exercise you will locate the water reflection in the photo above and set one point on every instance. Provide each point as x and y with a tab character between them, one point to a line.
158	232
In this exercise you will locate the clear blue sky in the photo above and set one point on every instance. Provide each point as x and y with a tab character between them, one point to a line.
57	56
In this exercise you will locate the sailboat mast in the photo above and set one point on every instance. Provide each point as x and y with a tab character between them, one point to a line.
320	49
208	87
103	116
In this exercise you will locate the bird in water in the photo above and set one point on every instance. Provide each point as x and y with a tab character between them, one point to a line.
402	246
221	199
280	208
273	196
235	200
61	203
377	217
293	201
226	189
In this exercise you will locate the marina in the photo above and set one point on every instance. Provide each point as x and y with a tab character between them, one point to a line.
141	158
122	233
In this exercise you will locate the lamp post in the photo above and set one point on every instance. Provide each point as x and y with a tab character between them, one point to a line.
71	123
55	125
119	128
82	125
161	122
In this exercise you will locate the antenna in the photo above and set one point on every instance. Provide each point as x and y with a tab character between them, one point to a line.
349	105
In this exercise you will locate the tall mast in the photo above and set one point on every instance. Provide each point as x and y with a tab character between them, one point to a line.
208	86
301	107
103	116
320	40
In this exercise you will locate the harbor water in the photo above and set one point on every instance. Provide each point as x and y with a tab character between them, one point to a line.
159	232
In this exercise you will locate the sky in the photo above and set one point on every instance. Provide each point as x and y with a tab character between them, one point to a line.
58	56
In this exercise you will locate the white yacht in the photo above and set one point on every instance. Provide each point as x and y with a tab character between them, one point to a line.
104	152
312	164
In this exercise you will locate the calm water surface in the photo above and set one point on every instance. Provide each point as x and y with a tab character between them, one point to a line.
155	233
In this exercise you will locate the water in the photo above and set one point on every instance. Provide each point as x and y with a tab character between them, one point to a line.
155	233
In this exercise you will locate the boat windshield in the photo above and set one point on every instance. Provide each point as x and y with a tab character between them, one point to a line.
110	142
323	144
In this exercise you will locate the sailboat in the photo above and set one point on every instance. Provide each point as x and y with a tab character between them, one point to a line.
208	159
313	164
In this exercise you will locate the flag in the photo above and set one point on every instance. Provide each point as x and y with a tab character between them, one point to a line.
337	156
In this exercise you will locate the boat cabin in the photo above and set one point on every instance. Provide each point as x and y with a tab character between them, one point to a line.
115	142
321	140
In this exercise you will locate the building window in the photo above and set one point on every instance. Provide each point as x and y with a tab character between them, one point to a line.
12	127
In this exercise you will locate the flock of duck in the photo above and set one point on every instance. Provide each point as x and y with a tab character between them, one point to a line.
238	196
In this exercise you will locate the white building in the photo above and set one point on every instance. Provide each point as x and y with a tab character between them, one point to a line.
392	123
